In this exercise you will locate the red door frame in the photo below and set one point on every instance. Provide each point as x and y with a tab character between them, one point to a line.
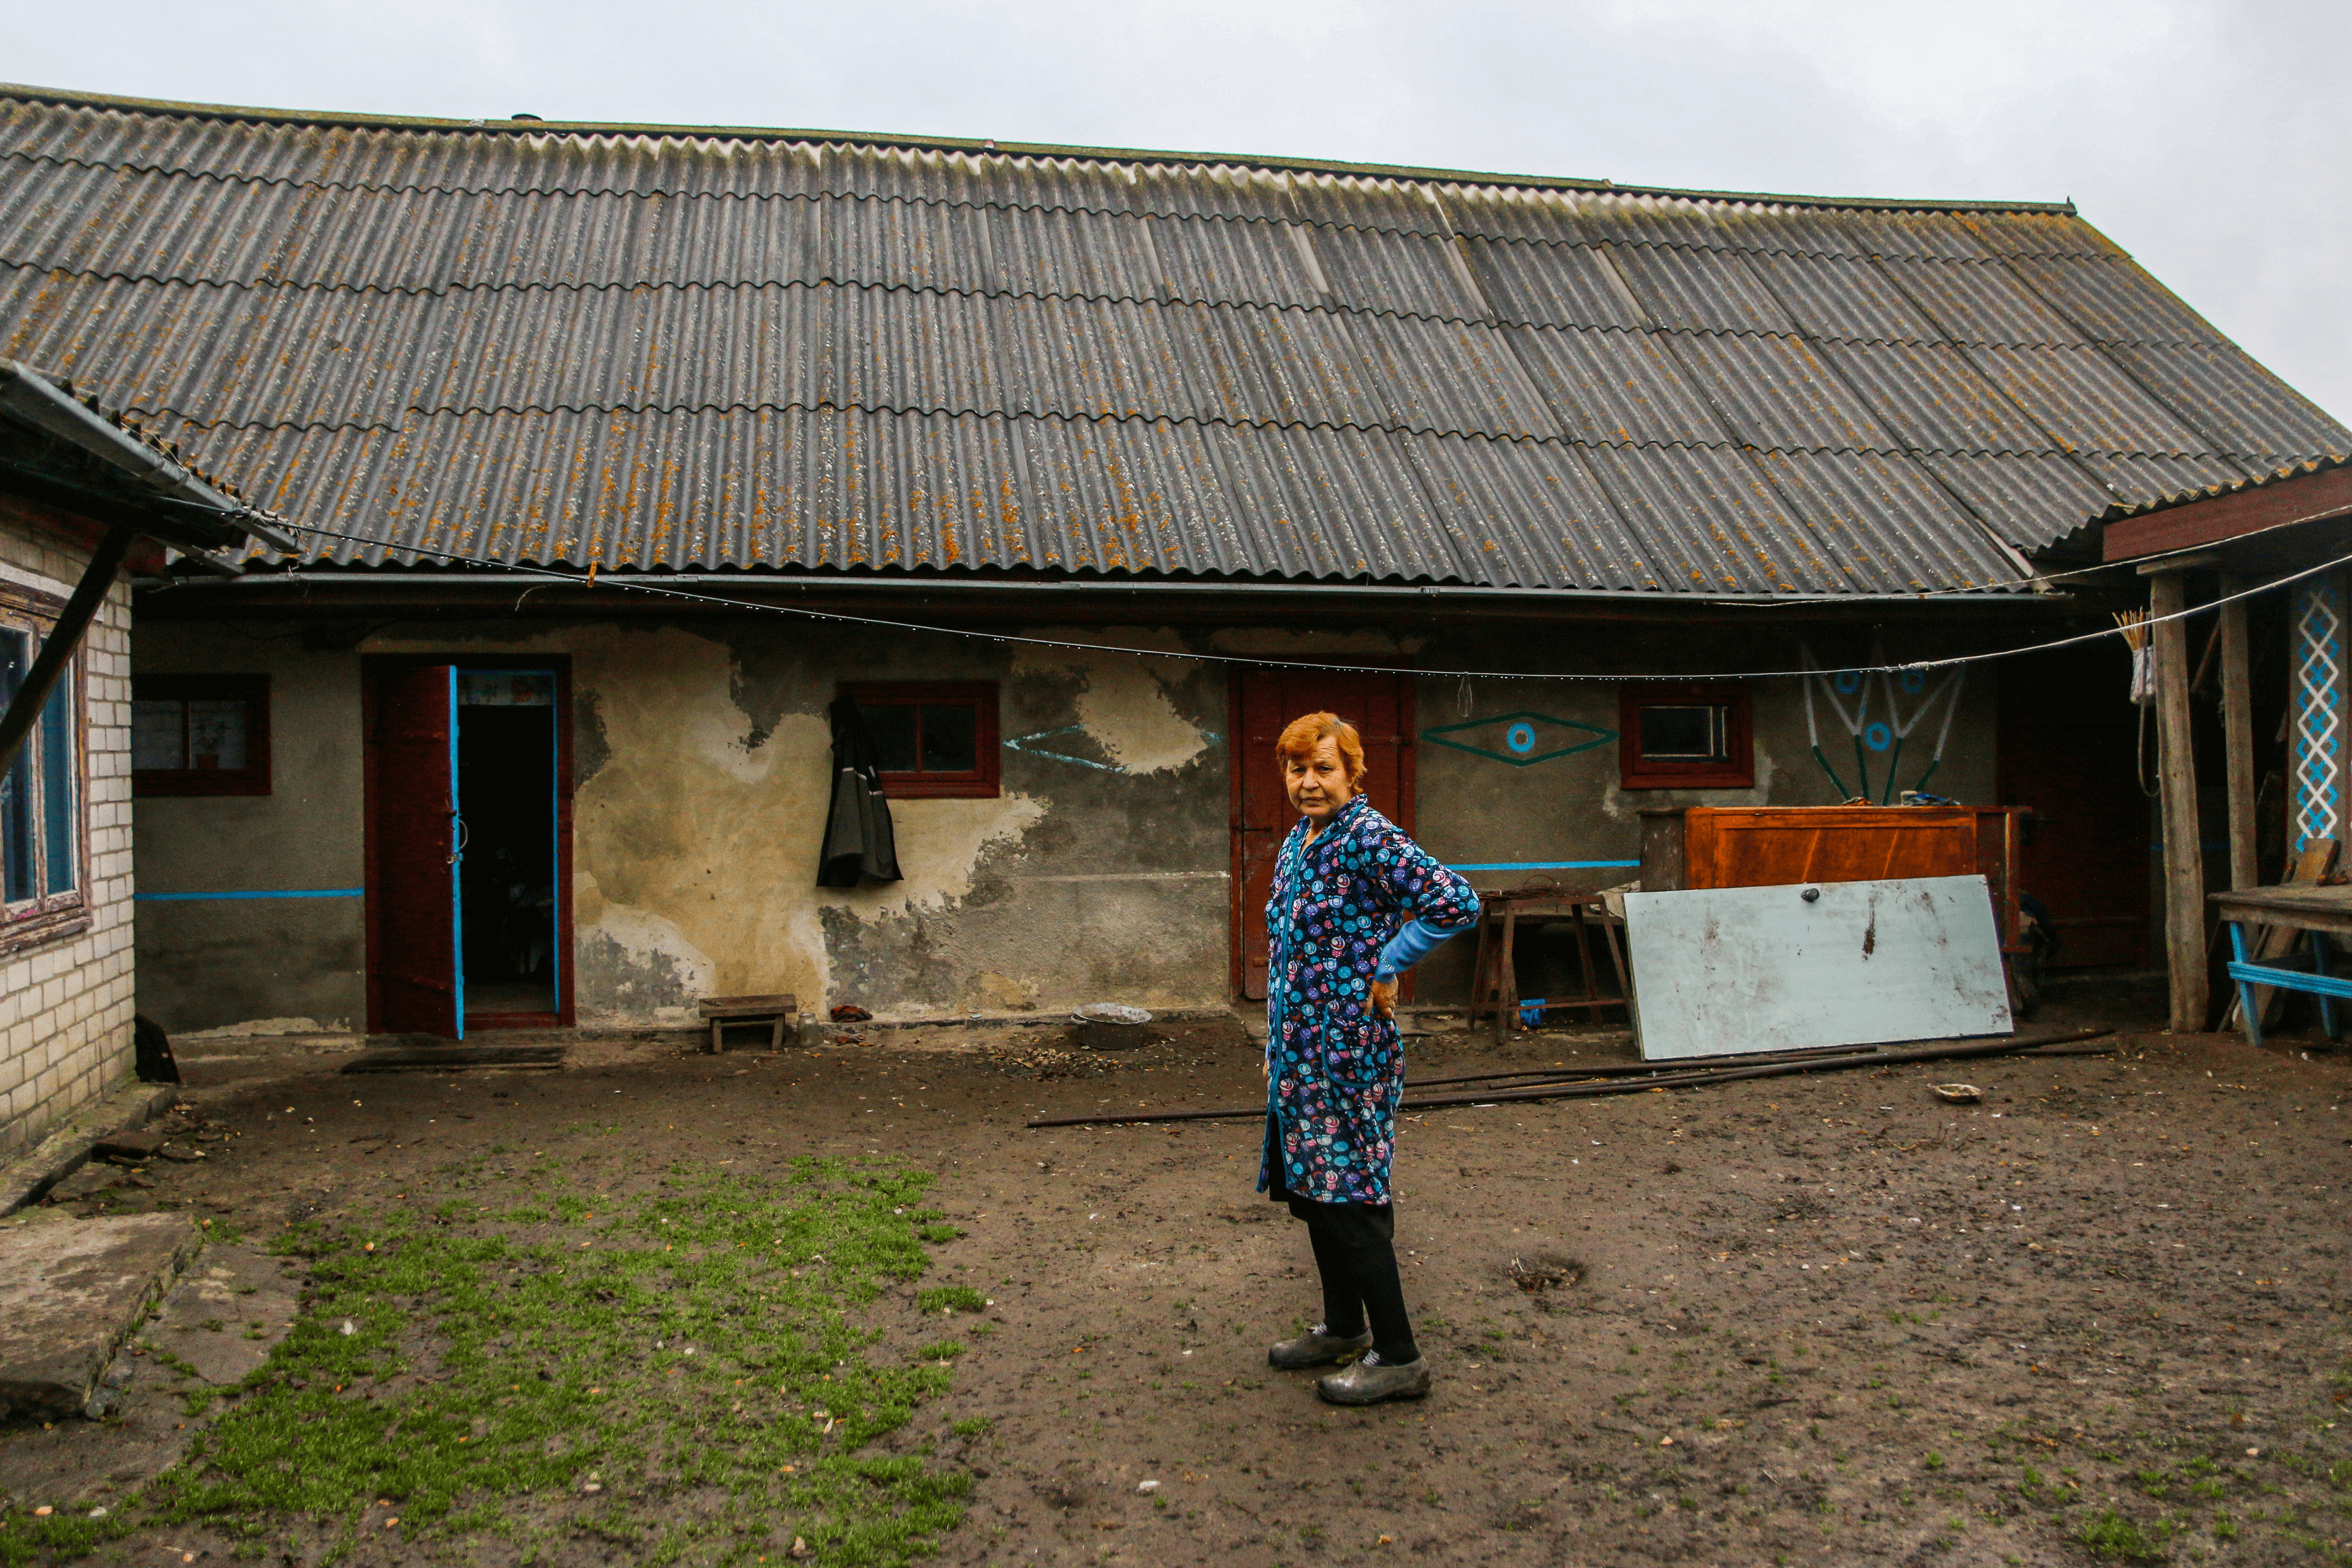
372	666
1239	757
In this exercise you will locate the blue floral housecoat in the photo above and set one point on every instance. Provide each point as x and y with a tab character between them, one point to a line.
1335	1069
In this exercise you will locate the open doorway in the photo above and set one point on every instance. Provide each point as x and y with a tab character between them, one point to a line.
512	964
468	846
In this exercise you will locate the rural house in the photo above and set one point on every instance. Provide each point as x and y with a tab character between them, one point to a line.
613	456
82	497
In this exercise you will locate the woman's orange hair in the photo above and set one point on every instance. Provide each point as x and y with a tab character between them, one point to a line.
1302	735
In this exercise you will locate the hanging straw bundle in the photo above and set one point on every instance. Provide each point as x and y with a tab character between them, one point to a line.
2134	624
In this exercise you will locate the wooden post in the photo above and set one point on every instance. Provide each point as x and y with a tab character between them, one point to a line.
2238	734
2184	868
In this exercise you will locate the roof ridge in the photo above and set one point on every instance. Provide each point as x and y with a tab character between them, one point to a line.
985	147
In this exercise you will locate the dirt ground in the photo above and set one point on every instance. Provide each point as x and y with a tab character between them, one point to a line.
1819	1319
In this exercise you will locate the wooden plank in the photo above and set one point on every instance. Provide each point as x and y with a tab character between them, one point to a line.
2184	870
749	1006
2305	499
450	1059
2238	735
1720	970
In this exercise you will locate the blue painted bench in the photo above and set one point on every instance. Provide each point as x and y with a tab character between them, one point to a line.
2321	912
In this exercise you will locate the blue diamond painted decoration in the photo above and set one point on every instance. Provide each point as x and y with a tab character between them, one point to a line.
1522	740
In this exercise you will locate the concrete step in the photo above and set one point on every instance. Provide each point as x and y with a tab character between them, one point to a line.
71	1291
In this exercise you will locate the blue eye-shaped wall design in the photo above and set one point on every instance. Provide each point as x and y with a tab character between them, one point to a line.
1522	738
1911	682
1846	681
1877	737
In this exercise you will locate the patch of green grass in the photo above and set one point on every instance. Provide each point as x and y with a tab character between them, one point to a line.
940	1350
970	1426
685	1348
2110	1535
24	1537
950	1299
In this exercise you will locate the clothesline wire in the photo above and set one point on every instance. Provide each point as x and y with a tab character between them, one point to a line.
575	580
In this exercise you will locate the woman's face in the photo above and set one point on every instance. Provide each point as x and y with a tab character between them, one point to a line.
1317	784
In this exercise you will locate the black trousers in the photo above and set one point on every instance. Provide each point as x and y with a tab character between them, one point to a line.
1355	1253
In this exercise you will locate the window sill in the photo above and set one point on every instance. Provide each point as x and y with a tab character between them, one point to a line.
939	789
38	931
1697	778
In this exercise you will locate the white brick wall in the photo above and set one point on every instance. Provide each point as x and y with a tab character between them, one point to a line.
66	1005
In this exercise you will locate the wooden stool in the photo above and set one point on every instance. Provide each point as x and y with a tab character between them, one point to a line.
777	1012
1494	980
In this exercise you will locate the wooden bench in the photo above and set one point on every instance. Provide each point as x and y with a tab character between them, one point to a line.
777	1012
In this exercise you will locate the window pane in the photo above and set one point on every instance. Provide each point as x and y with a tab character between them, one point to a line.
950	741
892	725
217	734
1682	734
156	736
16	790
56	768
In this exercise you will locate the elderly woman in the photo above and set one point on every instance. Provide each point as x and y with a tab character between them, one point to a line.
1355	904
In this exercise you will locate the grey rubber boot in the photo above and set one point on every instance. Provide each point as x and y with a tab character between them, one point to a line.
1316	1348
1371	1380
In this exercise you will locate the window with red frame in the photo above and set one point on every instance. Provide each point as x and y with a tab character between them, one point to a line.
1675	735
43	813
931	738
199	734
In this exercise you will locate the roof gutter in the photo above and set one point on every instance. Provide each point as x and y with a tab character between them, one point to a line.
704	582
36	400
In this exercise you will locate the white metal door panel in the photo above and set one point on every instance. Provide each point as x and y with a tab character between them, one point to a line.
1725	971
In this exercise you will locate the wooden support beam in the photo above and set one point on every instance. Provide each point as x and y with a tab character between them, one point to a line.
24	707
2184	870
2238	734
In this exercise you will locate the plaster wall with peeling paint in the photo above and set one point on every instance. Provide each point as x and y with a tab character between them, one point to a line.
702	766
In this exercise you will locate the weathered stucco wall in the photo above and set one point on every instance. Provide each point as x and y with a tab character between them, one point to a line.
210	962
703	765
703	762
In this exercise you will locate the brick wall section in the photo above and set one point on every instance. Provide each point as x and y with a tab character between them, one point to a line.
66	1005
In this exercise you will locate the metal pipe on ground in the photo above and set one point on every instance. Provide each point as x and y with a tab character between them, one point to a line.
1618	1069
1578	1086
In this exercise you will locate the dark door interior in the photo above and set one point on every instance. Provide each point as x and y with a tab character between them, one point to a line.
1378	706
507	784
2068	736
416	983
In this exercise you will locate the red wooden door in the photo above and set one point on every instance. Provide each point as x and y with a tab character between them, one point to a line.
416	983
1378	706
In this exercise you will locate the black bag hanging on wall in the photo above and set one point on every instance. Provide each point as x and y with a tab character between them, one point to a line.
858	842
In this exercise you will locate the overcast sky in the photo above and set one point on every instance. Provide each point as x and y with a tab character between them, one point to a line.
2205	137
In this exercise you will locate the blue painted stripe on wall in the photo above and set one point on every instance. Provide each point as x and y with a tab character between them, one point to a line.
1546	866
267	893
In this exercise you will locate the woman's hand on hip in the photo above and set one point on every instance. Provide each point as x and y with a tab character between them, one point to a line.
1382	998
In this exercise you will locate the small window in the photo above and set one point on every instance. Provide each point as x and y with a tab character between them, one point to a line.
934	738
200	734
41	795
1684	737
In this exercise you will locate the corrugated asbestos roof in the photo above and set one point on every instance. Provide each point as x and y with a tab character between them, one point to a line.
2208	493
651	348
